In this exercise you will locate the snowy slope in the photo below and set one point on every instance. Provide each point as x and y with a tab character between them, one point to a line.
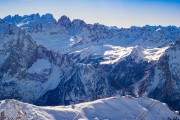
114	108
39	66
29	74
112	54
168	75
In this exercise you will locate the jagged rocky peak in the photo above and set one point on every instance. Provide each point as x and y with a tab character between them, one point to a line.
64	21
7	29
28	19
10	35
72	26
98	26
35	22
13	19
35	16
78	22
44	18
48	17
32	16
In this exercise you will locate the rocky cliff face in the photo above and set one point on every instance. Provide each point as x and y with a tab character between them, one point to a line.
59	63
169	77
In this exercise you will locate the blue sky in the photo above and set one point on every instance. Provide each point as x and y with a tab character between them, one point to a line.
121	13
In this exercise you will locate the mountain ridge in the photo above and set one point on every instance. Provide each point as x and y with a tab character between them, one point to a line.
125	107
49	14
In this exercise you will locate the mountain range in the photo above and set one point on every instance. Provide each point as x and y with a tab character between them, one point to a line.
47	62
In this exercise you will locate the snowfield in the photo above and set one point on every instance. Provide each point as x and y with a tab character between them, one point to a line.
113	108
39	66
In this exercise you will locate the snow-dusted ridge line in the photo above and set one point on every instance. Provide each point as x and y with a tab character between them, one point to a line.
112	54
113	108
49	15
70	35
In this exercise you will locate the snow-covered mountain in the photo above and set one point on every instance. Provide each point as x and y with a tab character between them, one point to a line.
64	33
114	108
33	22
49	62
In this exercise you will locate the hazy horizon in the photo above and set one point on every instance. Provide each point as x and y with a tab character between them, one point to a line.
120	13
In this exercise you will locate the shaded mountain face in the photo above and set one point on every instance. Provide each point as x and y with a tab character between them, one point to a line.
169	76
49	62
